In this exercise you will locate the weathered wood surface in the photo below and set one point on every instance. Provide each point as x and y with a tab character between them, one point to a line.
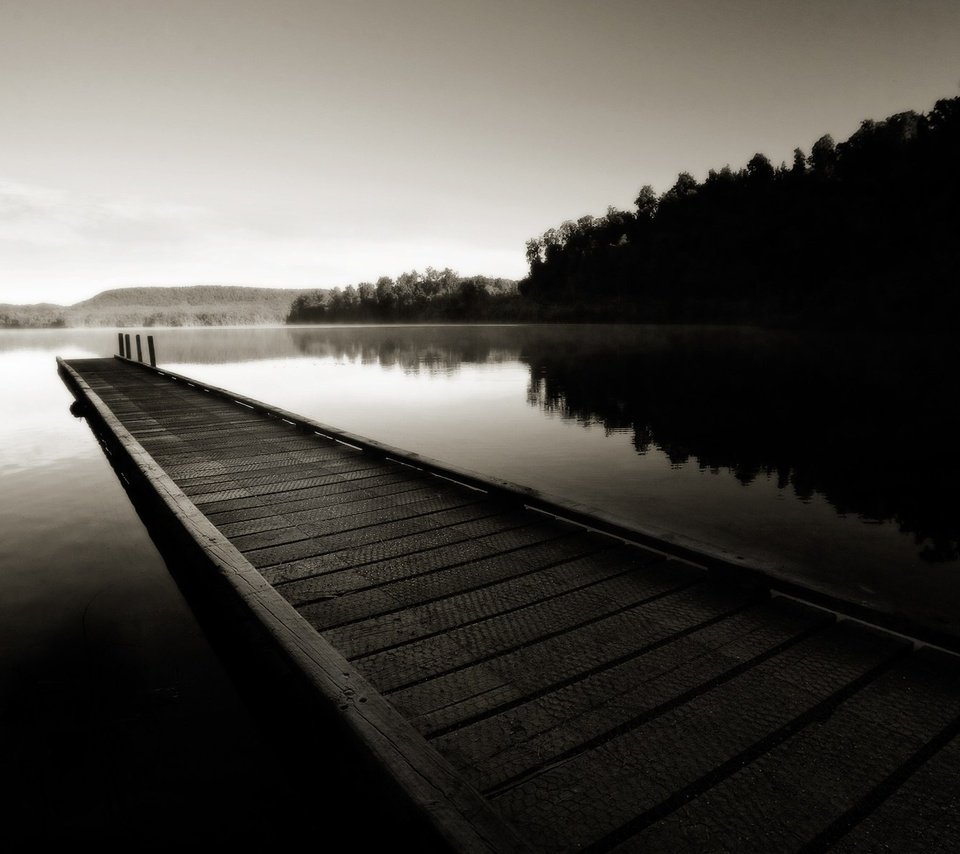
524	678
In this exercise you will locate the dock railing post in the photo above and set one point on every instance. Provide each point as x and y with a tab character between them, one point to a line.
139	350
153	353
126	340
120	343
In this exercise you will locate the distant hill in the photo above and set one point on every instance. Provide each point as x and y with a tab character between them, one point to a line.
198	305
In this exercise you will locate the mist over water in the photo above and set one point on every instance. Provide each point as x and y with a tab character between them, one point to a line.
821	459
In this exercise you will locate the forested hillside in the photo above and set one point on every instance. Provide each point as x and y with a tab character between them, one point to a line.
858	233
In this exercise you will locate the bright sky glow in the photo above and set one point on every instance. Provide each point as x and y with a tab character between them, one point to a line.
308	143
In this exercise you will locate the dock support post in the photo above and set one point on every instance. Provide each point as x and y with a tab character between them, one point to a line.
120	343
139	350
126	341
153	353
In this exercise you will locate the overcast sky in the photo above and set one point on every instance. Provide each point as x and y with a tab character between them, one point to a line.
296	143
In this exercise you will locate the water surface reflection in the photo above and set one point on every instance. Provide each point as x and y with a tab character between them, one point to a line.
865	423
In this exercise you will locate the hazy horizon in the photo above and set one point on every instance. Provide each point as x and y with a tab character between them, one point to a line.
159	286
304	144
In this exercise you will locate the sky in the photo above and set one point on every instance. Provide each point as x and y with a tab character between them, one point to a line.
311	144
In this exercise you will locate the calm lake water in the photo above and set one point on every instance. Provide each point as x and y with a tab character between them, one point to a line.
822	460
816	458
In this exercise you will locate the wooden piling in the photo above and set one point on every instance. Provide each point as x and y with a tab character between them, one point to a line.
139	350
152	351
120	343
126	341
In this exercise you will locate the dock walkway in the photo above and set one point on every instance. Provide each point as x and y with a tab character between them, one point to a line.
533	684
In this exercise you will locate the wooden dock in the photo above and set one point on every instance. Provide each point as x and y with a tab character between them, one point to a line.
528	683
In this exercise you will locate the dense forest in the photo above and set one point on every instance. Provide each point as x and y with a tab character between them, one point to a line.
41	315
413	296
862	232
200	305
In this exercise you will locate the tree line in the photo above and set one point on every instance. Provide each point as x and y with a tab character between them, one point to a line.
413	296
37	316
860	232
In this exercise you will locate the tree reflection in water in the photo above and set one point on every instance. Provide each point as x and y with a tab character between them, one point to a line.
868	423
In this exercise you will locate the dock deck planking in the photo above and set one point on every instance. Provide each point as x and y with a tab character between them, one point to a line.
500	743
501	536
922	814
810	780
581	661
443	600
462	536
587	693
664	761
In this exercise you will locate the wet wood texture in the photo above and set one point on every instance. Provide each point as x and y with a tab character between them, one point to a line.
596	695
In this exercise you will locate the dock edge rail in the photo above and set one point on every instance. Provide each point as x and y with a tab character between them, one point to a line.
713	560
439	795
